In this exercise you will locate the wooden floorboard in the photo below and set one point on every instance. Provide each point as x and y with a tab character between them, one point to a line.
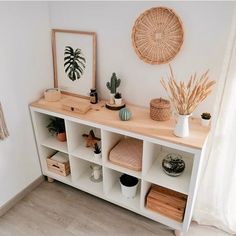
57	209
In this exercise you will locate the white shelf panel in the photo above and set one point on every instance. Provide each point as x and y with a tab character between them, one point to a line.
116	196
85	153
121	169
180	183
53	143
162	219
84	183
65	179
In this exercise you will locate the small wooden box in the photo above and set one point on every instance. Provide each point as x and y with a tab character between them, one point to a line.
59	167
77	106
166	202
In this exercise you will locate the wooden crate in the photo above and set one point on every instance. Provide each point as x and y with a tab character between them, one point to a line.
166	202
60	168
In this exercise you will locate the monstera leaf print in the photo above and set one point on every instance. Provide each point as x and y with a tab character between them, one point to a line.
74	63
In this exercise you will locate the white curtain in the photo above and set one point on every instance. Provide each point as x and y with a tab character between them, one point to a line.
216	201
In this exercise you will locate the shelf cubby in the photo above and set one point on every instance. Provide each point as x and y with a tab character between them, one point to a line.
153	172
113	192
46	152
81	172
152	214
77	143
44	137
109	140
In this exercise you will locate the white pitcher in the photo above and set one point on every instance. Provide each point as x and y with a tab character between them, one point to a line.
182	126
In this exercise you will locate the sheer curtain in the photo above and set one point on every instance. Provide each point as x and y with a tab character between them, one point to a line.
216	201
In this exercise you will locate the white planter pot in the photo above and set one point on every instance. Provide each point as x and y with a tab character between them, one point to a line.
97	156
205	122
118	101
112	100
128	191
182	127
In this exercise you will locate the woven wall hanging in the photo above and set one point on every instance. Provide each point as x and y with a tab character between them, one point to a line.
157	35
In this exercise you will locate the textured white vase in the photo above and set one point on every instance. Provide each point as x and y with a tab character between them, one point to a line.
205	122
118	101
182	127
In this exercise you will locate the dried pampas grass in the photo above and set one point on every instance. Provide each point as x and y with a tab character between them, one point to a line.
185	97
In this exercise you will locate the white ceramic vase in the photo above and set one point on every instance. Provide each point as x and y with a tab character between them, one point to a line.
205	122
118	101
182	127
97	156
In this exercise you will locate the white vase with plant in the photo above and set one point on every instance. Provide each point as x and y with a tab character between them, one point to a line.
185	97
205	119
97	152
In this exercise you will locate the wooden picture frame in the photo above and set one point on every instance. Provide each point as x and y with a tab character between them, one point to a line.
74	76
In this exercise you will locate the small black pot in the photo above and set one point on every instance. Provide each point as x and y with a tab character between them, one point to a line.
128	181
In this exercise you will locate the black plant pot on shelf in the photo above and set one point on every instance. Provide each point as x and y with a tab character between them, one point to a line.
129	185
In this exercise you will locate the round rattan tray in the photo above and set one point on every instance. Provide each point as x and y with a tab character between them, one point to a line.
157	35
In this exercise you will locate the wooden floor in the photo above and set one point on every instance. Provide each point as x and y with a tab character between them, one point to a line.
59	210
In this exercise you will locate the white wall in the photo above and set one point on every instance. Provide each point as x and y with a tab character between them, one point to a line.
25	56
206	26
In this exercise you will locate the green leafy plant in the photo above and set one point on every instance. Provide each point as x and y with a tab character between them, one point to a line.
118	95
206	116
74	63
56	126
114	84
97	149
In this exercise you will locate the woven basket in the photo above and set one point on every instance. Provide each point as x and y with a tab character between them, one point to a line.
160	109
157	35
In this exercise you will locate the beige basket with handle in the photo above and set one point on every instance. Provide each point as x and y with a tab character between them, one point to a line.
160	109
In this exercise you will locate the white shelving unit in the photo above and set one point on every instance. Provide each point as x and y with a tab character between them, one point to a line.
81	158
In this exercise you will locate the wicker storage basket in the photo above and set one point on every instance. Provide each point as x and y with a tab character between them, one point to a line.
160	109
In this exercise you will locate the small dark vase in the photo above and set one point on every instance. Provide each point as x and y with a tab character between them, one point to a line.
173	164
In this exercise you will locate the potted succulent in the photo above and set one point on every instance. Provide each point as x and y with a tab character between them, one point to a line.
118	99
57	127
205	119
112	86
97	152
129	185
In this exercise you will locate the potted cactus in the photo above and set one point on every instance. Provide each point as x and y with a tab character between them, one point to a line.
118	99
57	127
97	152
112	86
205	119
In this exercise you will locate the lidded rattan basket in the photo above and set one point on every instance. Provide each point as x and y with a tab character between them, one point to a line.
160	109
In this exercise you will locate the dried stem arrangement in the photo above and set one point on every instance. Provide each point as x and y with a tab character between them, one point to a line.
185	97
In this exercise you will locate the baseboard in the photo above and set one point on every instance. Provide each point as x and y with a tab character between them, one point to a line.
4	208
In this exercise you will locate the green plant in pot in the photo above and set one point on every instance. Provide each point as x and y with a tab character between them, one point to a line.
97	152
57	127
205	119
112	86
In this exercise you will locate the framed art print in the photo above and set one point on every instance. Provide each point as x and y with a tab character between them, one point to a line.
74	60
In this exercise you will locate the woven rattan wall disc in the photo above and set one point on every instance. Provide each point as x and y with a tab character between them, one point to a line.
157	35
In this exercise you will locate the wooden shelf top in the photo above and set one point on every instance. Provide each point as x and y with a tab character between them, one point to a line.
140	123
